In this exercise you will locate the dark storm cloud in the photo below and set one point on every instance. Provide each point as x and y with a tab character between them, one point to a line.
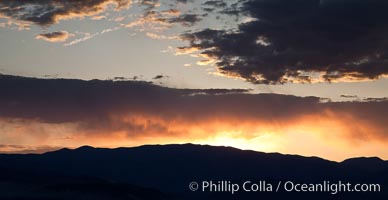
58	36
186	19
159	77
210	6
93	103
301	41
66	100
382	99
215	3
348	96
183	1
48	12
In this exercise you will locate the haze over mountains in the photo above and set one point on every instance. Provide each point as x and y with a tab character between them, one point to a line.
165	171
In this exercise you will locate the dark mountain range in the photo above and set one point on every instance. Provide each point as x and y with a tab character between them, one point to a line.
165	172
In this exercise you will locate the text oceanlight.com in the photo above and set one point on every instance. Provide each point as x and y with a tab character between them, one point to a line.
283	186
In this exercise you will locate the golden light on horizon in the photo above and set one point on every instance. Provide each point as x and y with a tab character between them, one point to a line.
327	137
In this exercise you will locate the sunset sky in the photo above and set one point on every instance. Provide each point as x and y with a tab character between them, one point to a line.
306	77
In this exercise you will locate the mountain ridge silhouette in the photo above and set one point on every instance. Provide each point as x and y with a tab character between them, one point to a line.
85	147
169	169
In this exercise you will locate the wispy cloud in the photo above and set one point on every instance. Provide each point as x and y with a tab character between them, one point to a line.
161	37
48	12
88	36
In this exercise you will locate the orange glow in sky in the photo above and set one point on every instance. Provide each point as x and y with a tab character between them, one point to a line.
330	138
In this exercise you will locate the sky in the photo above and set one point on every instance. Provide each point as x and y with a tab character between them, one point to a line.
304	77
